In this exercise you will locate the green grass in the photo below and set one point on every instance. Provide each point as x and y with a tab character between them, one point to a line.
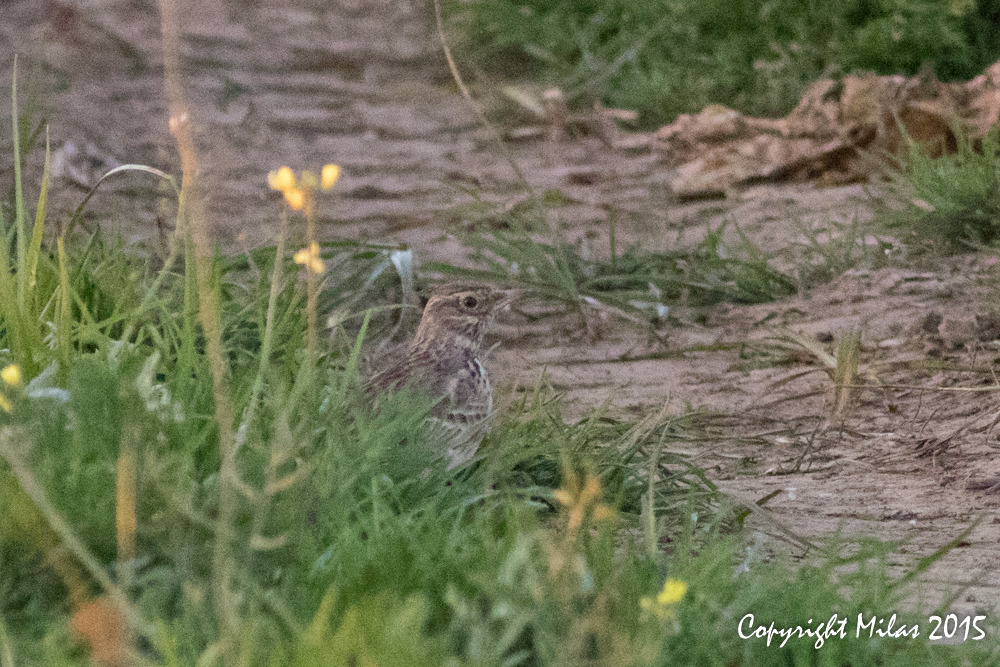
822	254
947	203
667	57
636	286
350	544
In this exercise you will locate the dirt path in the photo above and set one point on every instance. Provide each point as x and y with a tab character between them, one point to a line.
907	462
361	83
304	83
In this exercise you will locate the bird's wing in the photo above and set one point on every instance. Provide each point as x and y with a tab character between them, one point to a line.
460	386
459	421
410	370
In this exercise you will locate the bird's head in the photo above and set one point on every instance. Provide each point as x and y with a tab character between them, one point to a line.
459	314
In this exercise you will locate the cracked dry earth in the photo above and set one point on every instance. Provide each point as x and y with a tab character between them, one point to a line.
915	456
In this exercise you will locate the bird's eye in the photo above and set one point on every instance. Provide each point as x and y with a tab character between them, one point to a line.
470	301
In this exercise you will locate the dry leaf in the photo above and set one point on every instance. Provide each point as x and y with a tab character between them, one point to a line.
836	133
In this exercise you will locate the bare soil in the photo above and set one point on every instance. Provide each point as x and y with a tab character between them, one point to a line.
914	457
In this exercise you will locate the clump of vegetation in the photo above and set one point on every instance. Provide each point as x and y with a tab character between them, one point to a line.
667	57
636	285
951	202
822	254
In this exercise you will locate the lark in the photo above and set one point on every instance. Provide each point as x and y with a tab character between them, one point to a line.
443	361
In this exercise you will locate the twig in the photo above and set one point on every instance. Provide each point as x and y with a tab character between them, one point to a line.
497	137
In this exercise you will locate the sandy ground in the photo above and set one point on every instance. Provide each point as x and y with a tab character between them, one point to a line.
361	83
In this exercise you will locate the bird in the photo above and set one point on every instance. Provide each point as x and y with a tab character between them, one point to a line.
443	362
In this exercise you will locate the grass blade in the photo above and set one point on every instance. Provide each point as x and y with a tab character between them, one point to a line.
35	248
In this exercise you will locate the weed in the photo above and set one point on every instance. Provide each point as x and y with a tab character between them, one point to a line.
950	202
637	286
843	367
827	253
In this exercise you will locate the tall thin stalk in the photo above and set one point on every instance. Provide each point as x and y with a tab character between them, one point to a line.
312	282
195	223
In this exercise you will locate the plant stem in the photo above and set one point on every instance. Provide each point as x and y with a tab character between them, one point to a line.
312	287
196	224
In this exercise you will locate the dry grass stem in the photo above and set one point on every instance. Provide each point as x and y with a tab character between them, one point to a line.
194	221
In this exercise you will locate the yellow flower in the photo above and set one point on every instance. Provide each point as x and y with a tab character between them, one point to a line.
328	177
309	257
11	375
282	179
296	198
5	404
673	591
662	606
296	191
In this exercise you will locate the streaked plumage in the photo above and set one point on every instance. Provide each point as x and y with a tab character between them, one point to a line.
443	361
